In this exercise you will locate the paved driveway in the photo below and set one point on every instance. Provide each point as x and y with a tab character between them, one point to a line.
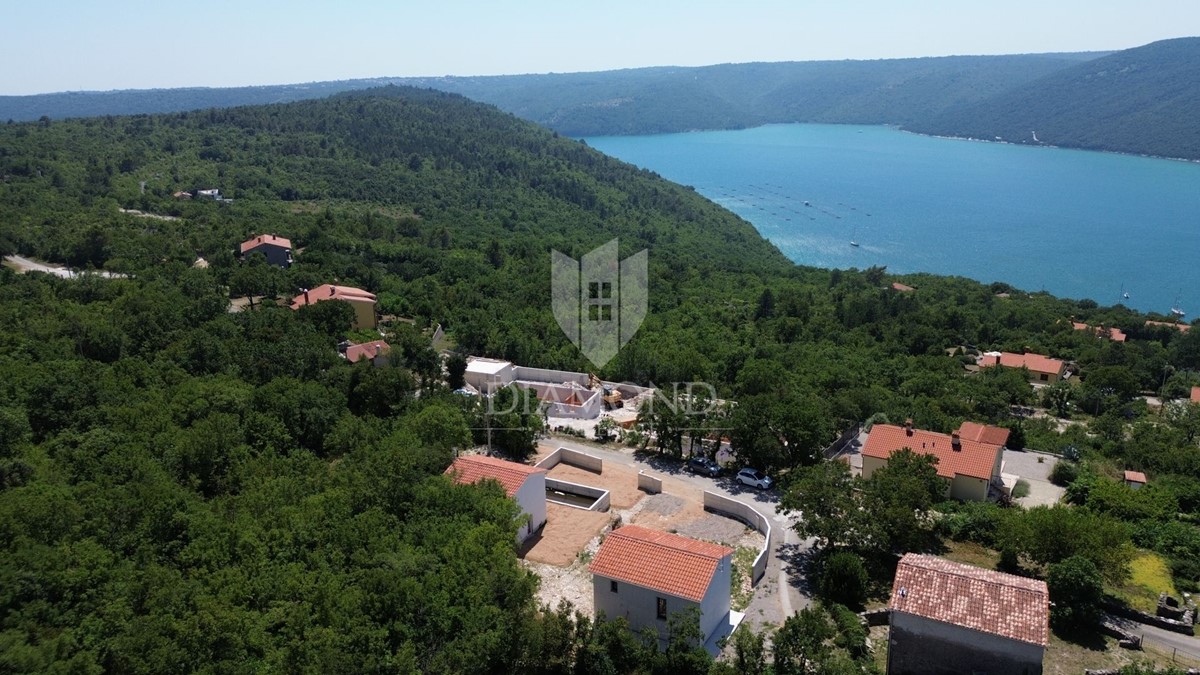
1025	465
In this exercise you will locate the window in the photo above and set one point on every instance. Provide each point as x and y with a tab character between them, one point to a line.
606	312
593	312
662	609
594	290
1044	377
612	586
605	290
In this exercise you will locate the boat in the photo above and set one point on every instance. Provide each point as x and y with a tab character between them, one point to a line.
1175	310
854	238
853	243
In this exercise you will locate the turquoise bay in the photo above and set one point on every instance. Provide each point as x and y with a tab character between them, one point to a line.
1074	223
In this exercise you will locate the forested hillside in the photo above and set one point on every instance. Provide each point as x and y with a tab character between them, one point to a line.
1143	100
645	100
184	488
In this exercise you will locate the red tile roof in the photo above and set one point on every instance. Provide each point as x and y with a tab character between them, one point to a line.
974	459
367	350
1181	327
1034	362
897	286
990	602
983	433
659	561
474	468
1135	476
1195	394
1114	334
262	239
331	292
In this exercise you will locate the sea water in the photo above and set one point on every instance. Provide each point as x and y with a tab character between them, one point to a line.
1074	223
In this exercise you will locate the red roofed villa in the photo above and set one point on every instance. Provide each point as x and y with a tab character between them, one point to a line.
523	483
1195	398
1135	479
362	302
1041	368
1114	334
1181	327
969	464
903	288
947	617
277	250
646	575
376	352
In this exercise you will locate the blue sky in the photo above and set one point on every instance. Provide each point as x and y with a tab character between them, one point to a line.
56	45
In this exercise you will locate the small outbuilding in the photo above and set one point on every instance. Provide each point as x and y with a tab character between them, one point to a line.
522	483
1135	479
949	618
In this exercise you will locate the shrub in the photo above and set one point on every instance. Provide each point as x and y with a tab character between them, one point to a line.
1021	489
1064	473
851	635
976	522
844	579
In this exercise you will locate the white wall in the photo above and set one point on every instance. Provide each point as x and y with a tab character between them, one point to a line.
485	383
750	516
639	605
532	500
714	608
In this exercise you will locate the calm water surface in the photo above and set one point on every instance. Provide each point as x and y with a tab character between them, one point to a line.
1074	223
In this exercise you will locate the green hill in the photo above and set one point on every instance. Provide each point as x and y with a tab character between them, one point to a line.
185	488
1143	100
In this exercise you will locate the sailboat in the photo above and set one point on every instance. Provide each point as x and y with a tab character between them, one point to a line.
1176	310
854	237
1124	293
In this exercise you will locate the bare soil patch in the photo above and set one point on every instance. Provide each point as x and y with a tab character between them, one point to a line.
620	481
567	532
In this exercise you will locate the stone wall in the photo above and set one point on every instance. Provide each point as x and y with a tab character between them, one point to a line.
1183	627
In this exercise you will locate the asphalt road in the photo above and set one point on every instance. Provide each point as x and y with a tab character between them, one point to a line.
782	589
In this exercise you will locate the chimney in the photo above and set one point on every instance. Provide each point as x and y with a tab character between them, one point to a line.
378	349
908	431
955	442
306	296
332	291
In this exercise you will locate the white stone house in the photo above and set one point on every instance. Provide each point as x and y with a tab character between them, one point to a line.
522	483
646	575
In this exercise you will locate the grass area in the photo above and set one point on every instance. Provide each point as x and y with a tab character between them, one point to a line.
1064	657
742	579
970	553
1021	489
1150	576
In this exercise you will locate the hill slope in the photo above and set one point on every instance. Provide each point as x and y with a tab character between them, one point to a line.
643	100
1142	100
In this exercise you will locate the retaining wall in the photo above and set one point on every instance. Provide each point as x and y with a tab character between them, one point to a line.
573	458
648	483
550	376
1185	628
603	499
748	515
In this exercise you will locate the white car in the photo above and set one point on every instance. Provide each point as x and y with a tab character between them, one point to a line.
754	478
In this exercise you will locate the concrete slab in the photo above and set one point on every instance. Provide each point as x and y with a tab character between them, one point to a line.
723	630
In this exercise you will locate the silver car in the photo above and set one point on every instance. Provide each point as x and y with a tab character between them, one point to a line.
754	478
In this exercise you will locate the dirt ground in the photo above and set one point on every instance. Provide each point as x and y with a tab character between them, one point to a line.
567	532
620	481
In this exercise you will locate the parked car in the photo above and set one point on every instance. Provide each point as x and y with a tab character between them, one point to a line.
754	478
704	465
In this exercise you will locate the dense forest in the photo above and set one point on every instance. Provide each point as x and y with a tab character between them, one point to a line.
185	488
1142	100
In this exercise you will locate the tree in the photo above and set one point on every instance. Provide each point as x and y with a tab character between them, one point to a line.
830	511
456	368
844	579
1058	398
1076	592
799	643
899	497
